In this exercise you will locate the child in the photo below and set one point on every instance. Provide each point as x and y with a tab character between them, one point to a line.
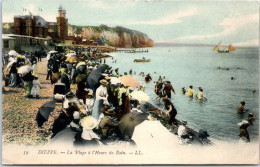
36	88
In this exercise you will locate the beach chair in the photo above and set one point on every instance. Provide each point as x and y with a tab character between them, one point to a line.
59	92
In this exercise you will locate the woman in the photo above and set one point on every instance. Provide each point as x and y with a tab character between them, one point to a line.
124	102
86	136
171	111
13	76
101	99
81	93
89	103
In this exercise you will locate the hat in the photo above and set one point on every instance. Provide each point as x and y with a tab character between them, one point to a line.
90	94
81	108
69	95
104	82
165	99
105	75
251	114
109	112
107	78
88	122
244	122
105	108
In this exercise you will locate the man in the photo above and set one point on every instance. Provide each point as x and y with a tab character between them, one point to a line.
49	70
241	107
168	88
190	91
116	74
65	79
148	78
108	124
201	95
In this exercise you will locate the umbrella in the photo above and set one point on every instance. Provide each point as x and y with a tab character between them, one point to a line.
25	70
49	54
103	67
129	121
153	132
93	78
71	59
139	95
115	80
129	81
70	54
12	53
44	112
65	136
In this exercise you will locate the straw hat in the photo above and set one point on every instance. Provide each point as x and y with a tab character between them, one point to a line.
90	94
109	112
165	99
88	122
69	95
104	82
81	108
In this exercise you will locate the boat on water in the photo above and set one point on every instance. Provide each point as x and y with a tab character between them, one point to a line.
230	48
141	60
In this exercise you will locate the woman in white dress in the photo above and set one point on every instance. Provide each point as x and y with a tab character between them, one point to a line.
36	88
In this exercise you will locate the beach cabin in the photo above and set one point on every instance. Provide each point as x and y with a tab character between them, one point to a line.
8	43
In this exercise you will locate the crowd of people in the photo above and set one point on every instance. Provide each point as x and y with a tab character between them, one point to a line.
100	101
30	82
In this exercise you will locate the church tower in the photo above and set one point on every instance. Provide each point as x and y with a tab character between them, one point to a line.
62	24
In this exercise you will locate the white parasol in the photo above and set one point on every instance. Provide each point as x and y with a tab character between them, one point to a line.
70	54
24	70
153	132
115	81
49	54
12	53
140	96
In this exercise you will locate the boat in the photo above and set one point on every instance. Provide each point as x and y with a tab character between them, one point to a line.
141	60
227	50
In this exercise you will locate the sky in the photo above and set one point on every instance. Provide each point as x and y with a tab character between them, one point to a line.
197	21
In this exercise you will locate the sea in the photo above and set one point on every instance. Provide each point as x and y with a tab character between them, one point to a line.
201	67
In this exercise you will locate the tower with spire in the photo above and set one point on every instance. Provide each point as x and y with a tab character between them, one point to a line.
62	24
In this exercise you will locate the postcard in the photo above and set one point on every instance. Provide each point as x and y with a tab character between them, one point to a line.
130	82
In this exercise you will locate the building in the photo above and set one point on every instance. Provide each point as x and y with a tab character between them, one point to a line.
62	24
34	30
30	25
36	26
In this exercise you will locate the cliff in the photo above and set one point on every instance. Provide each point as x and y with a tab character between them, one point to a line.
112	36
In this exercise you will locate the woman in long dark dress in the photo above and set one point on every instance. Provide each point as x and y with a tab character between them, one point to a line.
171	110
13	76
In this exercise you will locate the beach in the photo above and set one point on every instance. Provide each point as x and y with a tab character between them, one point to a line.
20	128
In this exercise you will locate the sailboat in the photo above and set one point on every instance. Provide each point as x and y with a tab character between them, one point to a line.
228	49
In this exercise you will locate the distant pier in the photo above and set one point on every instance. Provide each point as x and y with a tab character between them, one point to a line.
132	50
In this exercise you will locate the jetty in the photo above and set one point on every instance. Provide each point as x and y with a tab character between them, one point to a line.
132	50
